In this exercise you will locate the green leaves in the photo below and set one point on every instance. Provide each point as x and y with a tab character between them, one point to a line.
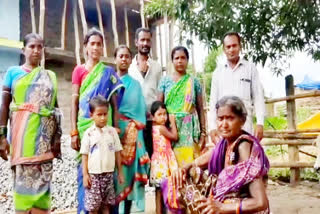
270	29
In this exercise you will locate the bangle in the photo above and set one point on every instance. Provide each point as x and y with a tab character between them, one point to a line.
195	162
238	207
3	131
74	132
203	134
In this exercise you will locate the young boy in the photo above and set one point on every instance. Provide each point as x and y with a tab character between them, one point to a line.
100	149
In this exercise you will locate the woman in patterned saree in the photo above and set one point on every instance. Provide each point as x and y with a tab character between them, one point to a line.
89	80
238	162
135	159
182	95
34	128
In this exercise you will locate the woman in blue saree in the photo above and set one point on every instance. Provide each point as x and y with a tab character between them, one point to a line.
132	120
89	80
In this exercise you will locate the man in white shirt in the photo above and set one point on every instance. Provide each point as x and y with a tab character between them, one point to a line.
148	72
143	68
240	78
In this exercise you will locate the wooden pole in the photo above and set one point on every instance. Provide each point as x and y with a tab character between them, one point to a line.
101	28
64	25
33	18
160	45
126	26
76	33
291	117
293	97
41	27
83	18
114	23
166	40
143	22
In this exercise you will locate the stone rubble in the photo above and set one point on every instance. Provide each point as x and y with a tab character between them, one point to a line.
64	182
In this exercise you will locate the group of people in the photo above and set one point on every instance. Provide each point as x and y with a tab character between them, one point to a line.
132	125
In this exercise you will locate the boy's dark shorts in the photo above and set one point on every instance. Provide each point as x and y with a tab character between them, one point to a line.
101	193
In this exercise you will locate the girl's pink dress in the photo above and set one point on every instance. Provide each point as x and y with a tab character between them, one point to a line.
163	161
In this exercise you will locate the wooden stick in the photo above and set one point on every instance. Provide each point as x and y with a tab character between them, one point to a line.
76	33
166	42
83	18
160	46
274	141
293	131
33	18
295	165
64	25
126	26
41	27
306	153
143	22
290	136
293	97
114	23
101	28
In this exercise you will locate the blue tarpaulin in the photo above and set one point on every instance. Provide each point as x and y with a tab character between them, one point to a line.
309	84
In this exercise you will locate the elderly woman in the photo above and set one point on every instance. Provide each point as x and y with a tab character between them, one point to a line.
238	162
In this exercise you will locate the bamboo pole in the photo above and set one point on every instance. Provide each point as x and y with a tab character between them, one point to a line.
293	97
33	18
166	40
143	21
160	46
83	18
125	10
63	25
290	136
101	28
274	141
296	165
293	131
76	33
41	27
291	117
114	23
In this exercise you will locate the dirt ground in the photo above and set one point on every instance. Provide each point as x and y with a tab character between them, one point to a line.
301	199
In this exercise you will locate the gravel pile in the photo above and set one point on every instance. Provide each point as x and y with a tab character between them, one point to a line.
64	182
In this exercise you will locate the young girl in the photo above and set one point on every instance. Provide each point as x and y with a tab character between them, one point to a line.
163	161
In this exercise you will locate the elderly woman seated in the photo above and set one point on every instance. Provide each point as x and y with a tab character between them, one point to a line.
236	168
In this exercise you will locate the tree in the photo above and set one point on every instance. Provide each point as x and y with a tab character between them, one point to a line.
271	29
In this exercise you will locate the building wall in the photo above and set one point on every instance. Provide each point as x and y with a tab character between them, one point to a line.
54	11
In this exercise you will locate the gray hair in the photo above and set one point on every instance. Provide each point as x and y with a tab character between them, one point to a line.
236	105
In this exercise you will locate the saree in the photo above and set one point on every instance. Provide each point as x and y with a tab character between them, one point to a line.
180	100
135	159
35	125
232	179
103	81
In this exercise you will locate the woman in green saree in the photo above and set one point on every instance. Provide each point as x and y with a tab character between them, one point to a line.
29	94
89	80
182	94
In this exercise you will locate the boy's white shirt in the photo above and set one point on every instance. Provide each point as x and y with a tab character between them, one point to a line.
100	144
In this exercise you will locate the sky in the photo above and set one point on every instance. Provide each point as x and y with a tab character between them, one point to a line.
300	65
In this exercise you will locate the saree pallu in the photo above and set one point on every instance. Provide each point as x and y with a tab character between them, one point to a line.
135	159
103	81
181	101
34	125
230	179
